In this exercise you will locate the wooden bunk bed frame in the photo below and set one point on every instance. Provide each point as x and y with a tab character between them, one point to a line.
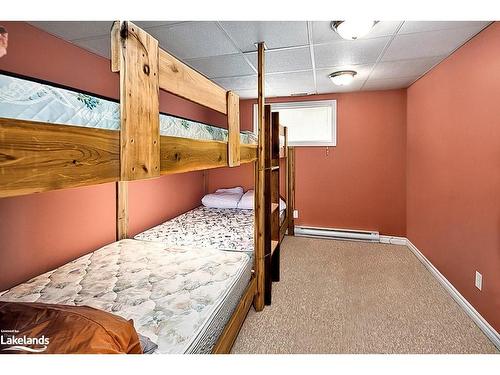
37	157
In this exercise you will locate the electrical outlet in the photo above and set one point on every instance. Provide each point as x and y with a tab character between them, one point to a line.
479	281
295	214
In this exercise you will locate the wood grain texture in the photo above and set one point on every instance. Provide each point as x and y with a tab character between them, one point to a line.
181	80
179	155
259	200
248	153
121	210
36	156
185	154
233	123
228	336
291	190
139	104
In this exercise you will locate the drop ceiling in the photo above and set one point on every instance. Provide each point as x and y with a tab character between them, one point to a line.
300	54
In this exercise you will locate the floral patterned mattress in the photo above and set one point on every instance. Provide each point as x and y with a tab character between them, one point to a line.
180	298
29	100
214	228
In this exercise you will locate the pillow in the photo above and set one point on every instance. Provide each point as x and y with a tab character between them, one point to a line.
63	329
221	200
246	201
235	190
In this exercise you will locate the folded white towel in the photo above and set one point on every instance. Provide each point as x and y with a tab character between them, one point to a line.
221	200
237	189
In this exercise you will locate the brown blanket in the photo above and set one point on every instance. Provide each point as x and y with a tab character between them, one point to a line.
47	328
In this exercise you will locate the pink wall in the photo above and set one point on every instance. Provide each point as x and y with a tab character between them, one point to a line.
154	201
453	190
42	231
230	177
362	183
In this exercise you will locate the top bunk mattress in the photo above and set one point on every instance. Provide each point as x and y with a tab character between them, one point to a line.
214	228
178	297
23	99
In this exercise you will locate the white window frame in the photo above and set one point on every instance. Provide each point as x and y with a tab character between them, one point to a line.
305	104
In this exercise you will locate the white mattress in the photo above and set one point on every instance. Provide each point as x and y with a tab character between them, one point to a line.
214	228
180	298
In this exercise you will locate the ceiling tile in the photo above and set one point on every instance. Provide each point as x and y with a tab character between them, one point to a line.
193	39
323	33
325	85
388	84
429	43
247	94
222	66
276	34
421	26
404	68
100	46
355	52
238	83
285	60
149	24
290	83
71	30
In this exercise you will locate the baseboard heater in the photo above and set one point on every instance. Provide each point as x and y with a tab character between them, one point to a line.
339	234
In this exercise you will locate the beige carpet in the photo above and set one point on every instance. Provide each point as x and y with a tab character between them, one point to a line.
356	297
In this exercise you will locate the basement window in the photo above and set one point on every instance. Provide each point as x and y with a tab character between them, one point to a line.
310	123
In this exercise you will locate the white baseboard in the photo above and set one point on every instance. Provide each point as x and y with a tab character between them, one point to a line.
393	240
487	329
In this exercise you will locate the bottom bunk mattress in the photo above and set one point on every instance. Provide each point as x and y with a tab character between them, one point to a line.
181	298
217	228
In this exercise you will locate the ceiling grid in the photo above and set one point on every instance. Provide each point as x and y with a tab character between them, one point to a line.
300	54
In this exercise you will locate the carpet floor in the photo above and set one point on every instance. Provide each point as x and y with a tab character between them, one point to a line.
357	297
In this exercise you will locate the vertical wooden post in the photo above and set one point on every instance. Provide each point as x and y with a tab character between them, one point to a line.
121	210
134	54
233	126
291	189
139	101
259	240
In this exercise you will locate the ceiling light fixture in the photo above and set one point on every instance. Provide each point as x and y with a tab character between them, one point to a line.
342	77
352	30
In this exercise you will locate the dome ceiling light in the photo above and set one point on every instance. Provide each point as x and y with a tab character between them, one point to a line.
352	30
342	77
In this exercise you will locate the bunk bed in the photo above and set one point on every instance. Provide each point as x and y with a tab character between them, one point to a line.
129	142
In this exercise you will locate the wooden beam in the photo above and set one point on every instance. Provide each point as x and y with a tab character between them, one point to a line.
179	155
36	156
259	240
139	104
286	141
181	80
233	126
248	153
228	336
185	154
291	190
121	210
